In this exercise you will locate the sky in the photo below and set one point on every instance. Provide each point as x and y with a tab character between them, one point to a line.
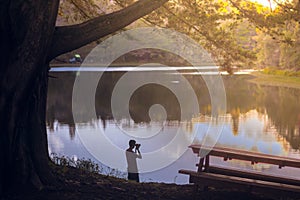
267	3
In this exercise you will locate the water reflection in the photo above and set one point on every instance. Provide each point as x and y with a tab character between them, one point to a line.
262	119
280	105
235	116
255	133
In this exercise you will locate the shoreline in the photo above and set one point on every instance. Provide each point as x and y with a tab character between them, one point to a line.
256	77
275	80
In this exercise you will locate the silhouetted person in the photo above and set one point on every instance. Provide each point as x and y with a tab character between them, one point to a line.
132	153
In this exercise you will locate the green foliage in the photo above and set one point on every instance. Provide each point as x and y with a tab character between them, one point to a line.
77	11
267	50
275	71
235	32
213	24
277	33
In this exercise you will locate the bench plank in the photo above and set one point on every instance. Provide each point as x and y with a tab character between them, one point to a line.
253	175
232	182
253	157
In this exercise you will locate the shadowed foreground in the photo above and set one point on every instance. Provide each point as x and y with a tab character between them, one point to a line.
78	184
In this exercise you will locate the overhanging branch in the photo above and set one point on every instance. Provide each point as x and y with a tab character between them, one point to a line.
68	38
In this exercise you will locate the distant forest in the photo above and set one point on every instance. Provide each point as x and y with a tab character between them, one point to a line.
243	34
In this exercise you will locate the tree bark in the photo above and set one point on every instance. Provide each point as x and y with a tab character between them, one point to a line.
67	38
28	40
27	28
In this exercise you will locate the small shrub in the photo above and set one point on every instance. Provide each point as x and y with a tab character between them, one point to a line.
85	165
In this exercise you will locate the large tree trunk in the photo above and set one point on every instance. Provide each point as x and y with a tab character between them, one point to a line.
28	40
27	28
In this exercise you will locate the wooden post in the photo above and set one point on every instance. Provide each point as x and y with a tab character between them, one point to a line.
206	167
200	166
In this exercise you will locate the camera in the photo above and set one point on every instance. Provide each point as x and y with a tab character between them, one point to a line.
137	146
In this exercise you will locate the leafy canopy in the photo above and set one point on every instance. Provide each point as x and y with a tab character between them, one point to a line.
239	33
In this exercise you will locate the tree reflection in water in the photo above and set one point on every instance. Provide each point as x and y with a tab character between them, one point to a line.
279	104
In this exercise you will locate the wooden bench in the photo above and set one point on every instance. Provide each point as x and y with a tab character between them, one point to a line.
253	157
267	188
208	175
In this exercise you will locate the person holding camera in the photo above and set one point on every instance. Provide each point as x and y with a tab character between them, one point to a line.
132	153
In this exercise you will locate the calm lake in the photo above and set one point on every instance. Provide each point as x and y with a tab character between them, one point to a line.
258	118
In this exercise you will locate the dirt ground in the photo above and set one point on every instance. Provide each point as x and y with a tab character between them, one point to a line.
77	184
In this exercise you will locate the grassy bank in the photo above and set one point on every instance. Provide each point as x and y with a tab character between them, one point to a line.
277	79
78	184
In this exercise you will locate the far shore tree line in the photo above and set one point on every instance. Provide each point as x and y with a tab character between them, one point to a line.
237	33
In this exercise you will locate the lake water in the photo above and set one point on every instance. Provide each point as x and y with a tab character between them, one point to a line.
258	118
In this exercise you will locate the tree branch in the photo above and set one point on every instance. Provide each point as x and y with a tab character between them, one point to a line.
68	38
